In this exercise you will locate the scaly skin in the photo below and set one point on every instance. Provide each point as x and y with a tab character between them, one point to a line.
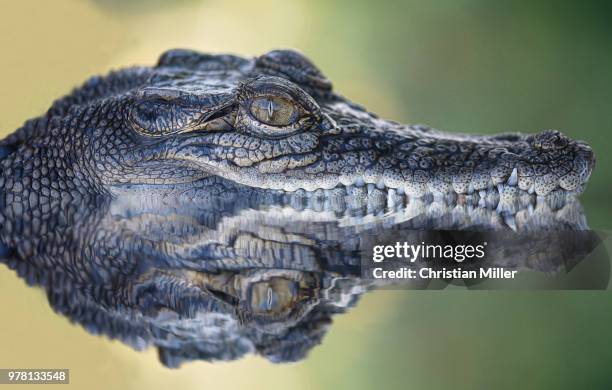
149	202
192	116
196	115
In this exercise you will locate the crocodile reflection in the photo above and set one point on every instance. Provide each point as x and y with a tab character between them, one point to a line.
215	271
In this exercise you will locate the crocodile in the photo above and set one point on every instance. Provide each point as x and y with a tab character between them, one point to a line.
143	199
272	122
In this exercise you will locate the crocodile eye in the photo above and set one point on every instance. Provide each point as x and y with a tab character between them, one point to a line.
158	117
274	111
273	296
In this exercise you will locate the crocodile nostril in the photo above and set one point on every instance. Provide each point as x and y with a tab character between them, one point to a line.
550	140
560	142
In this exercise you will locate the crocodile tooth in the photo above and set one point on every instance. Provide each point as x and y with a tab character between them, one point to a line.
380	184
400	190
524	199
376	201
510	221
482	203
470	189
513	180
482	194
500	188
531	189
370	188
530	209
359	182
393	199
492	199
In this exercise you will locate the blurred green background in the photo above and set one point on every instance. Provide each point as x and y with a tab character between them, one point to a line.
472	66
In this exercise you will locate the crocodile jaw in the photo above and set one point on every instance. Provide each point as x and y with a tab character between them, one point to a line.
414	160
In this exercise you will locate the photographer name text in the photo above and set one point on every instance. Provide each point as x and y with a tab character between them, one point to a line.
409	253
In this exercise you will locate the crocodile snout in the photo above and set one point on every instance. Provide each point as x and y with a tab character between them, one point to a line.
555	161
418	160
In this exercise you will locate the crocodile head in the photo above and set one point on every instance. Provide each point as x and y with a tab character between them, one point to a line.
191	252
274	122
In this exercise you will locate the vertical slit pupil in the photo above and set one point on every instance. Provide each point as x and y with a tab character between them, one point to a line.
269	298
270	109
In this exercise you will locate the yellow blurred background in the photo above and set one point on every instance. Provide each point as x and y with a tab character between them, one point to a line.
466	65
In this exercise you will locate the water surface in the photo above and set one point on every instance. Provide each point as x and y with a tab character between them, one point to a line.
469	67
